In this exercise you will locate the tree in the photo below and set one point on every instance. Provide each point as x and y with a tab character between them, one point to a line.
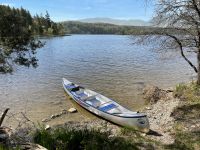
17	45
48	20
182	18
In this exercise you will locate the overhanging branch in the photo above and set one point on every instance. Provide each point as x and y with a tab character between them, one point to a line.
182	53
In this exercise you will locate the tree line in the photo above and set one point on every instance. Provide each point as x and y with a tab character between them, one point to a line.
17	43
38	24
75	27
43	25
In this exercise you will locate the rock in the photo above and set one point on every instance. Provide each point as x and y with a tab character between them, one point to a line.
53	116
57	115
45	120
31	146
64	111
143	134
72	110
39	147
115	131
4	135
152	94
103	130
148	108
111	136
47	127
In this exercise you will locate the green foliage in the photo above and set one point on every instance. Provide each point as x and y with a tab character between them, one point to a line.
129	131
179	90
186	141
74	27
2	147
17	44
45	26
186	115
80	139
189	93
187	112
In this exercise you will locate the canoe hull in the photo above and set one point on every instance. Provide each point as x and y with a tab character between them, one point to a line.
137	122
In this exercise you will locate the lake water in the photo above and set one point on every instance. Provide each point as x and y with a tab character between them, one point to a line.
108	64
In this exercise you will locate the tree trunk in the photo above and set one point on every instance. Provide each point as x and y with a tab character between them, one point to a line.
198	65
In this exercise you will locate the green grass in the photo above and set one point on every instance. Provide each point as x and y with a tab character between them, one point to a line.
189	106
186	141
3	147
187	114
63	138
188	92
71	139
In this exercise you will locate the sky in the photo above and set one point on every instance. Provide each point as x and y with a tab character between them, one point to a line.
62	10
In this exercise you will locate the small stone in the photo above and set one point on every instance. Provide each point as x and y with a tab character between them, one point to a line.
53	116
64	111
57	115
4	136
193	126
148	108
72	110
47	127
103	130
111	136
45	120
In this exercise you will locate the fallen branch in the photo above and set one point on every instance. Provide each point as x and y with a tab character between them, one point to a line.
3	116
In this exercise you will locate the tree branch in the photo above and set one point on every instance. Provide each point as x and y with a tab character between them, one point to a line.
3	116
182	53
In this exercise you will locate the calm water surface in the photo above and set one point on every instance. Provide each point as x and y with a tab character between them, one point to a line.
108	64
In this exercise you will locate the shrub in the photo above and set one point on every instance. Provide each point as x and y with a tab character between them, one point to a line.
63	138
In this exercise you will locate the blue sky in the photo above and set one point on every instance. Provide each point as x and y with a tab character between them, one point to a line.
61	10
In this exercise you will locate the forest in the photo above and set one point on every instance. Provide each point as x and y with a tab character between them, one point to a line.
75	27
43	25
37	25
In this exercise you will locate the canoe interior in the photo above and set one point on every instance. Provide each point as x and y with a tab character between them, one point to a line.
96	100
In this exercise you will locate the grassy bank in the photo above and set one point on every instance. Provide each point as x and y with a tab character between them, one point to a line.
187	116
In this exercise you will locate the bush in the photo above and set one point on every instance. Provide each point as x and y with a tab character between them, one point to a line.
179	90
189	93
186	141
63	138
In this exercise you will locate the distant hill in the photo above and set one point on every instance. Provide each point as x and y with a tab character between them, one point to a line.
76	27
116	21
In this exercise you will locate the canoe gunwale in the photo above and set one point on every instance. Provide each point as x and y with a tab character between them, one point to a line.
81	102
